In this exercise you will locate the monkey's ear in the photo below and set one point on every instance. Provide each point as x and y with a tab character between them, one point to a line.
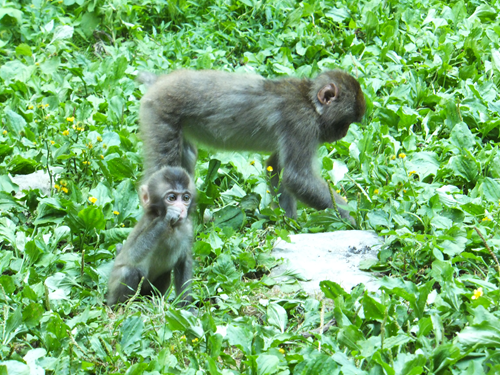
144	195
327	93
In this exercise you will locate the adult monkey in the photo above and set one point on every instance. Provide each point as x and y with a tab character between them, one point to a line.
289	117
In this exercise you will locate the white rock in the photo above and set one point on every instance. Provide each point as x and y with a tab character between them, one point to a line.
37	180
331	256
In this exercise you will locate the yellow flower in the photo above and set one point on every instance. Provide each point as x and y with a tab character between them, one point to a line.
64	189
338	191
4	132
70	119
34	143
47	117
116	213
63	183
402	155
411	172
270	169
195	340
404	190
268	192
252	162
93	200
375	191
281	350
99	139
172	348
30	106
52	142
57	187
66	132
486	218
102	156
46	105
393	157
104	146
183	338
89	145
477	293
86	162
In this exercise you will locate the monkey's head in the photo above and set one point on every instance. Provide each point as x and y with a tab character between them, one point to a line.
169	190
339	102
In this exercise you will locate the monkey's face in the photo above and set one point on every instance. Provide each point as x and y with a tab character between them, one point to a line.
177	206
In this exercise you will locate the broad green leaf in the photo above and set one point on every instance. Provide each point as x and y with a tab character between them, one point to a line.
131	332
332	289
277	316
241	337
229	216
462	137
120	168
15	122
490	189
464	167
23	50
320	364
423	163
267	364
92	218
372	309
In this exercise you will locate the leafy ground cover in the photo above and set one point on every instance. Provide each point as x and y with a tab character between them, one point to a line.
422	170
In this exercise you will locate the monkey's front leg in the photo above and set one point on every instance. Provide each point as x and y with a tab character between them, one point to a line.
307	186
287	200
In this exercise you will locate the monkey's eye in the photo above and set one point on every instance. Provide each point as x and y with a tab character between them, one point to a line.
186	197
171	197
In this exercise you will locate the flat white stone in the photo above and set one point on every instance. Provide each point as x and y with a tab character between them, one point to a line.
37	180
331	256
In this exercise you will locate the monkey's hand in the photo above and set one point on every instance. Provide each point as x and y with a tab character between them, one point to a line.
174	216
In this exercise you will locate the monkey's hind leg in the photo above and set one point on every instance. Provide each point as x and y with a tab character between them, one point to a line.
189	156
183	273
162	282
287	200
123	283
162	137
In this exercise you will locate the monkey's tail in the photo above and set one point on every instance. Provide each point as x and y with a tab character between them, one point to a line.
146	78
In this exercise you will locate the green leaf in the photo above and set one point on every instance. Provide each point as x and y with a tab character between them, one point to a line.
267	364
92	218
372	309
332	289
485	334
20	165
277	316
465	167
229	216
462	137
15	123
490	189
131	332
23	50
320	364
120	168
241	337
32	314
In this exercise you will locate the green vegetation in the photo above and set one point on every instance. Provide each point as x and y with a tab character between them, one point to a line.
422	170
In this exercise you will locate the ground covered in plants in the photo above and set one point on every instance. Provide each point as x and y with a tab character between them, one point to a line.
422	170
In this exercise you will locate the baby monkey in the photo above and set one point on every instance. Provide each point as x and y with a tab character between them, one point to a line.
160	242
